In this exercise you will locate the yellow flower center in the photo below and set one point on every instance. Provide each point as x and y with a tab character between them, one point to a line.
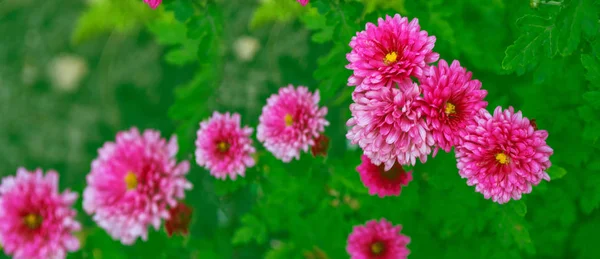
288	120
377	248
502	158
32	220
450	109
131	181
391	58
223	146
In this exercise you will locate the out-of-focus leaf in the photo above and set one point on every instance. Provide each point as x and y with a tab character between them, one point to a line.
556	172
520	207
184	54
183	9
168	31
275	11
578	16
593	98
592	65
111	15
251	229
282	251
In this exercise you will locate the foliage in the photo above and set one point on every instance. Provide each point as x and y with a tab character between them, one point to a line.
544	61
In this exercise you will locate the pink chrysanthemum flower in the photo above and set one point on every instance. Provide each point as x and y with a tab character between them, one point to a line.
291	121
387	124
391	51
377	240
503	155
153	3
132	182
223	147
303	2
36	221
450	101
383	182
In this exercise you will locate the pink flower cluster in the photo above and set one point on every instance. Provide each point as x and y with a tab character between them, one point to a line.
36	220
395	120
132	184
224	147
291	121
377	239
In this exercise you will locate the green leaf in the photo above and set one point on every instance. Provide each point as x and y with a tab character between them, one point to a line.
556	172
592	65
593	98
322	6
275	11
183	9
527	50
317	22
111	15
223	187
198	27
372	5
520	207
168	32
578	16
521	236
281	251
185	54
252	229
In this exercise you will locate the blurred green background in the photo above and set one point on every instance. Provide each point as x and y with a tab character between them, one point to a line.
73	73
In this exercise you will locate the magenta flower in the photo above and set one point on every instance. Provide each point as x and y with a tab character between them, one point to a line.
223	147
503	155
450	101
303	2
132	183
36	221
291	121
153	3
383	182
390	52
388	126
379	240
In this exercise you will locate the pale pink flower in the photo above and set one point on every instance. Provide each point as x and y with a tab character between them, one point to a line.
132	183
379	240
36	221
503	155
450	101
223	147
291	121
390	52
153	3
303	2
383	182
387	124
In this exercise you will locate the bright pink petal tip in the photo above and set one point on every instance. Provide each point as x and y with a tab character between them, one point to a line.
503	155
303	2
153	3
379	240
223	147
383	182
133	182
451	99
387	124
389	52
291	121
36	221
